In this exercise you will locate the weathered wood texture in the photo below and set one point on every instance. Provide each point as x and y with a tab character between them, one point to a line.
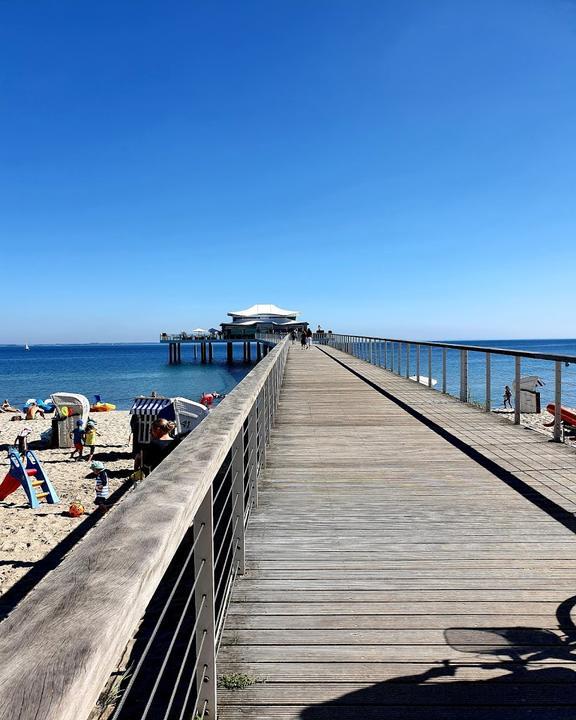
59	646
385	566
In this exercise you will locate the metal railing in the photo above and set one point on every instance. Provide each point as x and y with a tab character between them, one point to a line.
417	361
192	510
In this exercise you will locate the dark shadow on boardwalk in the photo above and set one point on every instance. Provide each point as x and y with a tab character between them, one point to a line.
525	690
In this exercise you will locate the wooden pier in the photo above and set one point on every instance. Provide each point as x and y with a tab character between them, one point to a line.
411	557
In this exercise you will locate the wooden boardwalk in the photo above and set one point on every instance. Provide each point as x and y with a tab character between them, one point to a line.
409	555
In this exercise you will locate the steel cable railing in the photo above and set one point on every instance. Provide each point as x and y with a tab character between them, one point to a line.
231	499
472	373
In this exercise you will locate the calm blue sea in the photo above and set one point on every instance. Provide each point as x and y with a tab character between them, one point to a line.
116	372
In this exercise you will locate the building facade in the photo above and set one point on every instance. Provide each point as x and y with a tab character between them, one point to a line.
261	319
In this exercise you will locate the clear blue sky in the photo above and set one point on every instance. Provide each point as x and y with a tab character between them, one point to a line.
396	168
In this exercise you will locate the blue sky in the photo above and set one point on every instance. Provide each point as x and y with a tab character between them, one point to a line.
402	169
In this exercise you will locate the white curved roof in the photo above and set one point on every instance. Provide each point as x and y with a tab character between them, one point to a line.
255	310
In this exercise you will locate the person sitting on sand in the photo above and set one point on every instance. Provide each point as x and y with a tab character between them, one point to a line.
7	408
32	410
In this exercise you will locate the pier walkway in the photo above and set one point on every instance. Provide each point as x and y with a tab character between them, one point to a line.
411	557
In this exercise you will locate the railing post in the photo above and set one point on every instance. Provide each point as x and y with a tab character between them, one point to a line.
488	394
429	366
464	375
261	437
418	363
385	354
517	373
253	457
238	498
204	605
444	370
558	401
407	360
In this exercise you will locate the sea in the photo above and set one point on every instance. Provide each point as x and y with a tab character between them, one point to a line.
121	372
116	372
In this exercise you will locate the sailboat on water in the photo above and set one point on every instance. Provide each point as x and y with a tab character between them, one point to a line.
26	347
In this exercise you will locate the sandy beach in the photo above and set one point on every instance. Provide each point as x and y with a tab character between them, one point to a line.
538	422
28	535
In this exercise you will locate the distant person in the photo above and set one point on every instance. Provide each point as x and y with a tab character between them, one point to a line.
292	336
102	486
90	435
508	397
21	442
7	408
32	410
207	399
308	338
303	339
77	436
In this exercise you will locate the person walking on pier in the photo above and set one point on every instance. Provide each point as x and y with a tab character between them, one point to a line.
508	397
292	336
308	338
303	339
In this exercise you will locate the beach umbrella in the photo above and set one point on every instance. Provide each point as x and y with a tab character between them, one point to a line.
199	331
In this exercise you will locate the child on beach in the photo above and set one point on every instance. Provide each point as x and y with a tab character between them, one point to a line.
102	487
21	442
90	438
77	436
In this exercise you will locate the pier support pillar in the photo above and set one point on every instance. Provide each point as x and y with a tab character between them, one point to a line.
249	351
258	351
210	353
229	352
203	352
